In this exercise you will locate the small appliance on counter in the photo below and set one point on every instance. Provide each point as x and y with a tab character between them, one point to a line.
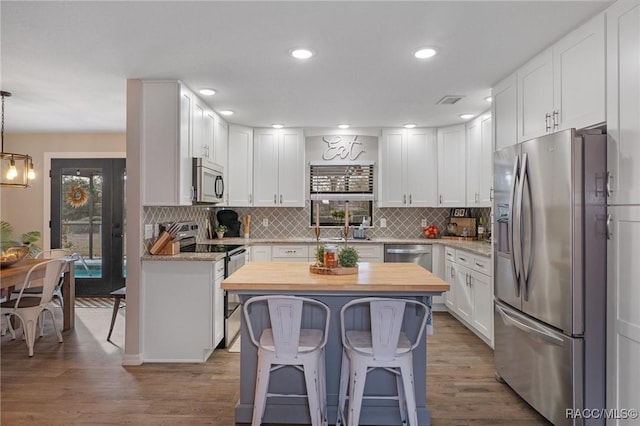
229	218
460	225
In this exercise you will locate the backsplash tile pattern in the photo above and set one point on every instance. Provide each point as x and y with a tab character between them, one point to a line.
284	222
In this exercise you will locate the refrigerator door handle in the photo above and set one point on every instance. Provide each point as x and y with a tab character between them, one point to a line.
526	266
514	213
528	329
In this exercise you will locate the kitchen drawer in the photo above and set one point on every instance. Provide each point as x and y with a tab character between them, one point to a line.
369	253
482	264
293	252
450	254
465	259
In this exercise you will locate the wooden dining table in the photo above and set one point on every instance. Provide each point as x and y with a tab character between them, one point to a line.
14	275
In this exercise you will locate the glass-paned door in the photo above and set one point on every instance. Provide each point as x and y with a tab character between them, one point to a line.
87	217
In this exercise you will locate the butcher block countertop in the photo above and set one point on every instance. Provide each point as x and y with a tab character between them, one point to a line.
373	277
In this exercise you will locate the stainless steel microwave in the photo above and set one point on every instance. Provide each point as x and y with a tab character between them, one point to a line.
208	182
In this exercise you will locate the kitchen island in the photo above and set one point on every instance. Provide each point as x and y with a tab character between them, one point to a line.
401	280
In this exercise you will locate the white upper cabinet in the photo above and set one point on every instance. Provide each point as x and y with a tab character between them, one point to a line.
564	86
451	166
503	110
221	142
278	174
165	114
408	168
479	162
623	101
239	179
535	97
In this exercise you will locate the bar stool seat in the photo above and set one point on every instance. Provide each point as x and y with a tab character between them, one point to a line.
286	343
118	295
384	346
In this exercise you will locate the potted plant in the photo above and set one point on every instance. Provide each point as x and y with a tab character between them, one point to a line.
220	230
348	257
26	239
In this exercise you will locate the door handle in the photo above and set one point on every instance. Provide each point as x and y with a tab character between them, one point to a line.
513	214
524	183
527	329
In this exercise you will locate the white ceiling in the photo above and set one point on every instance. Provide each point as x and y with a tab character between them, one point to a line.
67	62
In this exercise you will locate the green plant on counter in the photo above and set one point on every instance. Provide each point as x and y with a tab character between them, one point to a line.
320	255
221	228
348	257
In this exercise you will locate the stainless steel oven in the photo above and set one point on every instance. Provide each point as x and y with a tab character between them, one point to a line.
234	259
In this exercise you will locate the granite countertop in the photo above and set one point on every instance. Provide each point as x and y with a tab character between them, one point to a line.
476	247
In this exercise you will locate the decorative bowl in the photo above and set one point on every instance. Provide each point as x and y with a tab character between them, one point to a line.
12	255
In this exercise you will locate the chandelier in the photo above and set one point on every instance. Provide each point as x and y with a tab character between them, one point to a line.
16	170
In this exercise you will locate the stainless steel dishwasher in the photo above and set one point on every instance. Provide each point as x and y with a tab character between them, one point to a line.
409	253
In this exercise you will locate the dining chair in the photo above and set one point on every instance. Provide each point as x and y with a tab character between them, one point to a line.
28	309
35	291
383	345
286	343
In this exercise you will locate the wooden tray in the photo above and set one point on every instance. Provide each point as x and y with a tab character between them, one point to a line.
340	270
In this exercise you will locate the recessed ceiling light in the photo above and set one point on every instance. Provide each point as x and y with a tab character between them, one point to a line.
466	116
488	99
409	126
207	92
425	53
301	53
343	126
226	112
277	126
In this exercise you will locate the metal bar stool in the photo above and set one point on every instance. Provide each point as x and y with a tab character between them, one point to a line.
118	294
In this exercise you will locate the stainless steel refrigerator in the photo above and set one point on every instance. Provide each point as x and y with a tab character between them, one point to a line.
550	273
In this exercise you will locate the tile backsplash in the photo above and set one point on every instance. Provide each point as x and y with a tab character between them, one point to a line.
285	222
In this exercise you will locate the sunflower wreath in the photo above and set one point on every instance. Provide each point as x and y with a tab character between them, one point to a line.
77	196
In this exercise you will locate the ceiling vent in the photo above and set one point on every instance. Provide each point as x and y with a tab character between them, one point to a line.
449	100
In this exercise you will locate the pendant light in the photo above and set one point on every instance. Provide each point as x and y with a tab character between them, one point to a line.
16	170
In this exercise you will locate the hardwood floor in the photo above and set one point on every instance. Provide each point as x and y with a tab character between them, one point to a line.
81	382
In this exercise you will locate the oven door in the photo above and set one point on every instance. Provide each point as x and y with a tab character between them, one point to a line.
232	301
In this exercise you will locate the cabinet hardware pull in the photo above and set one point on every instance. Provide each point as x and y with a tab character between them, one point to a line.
477	198
404	199
547	125
608	185
490	194
608	227
479	265
275	199
556	119
250	199
453	272
441	199
463	259
280	198
410	199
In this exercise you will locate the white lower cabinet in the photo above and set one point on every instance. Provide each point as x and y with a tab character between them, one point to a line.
290	253
260	253
470	298
182	310
369	252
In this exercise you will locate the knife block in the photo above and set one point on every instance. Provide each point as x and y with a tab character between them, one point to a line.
164	239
